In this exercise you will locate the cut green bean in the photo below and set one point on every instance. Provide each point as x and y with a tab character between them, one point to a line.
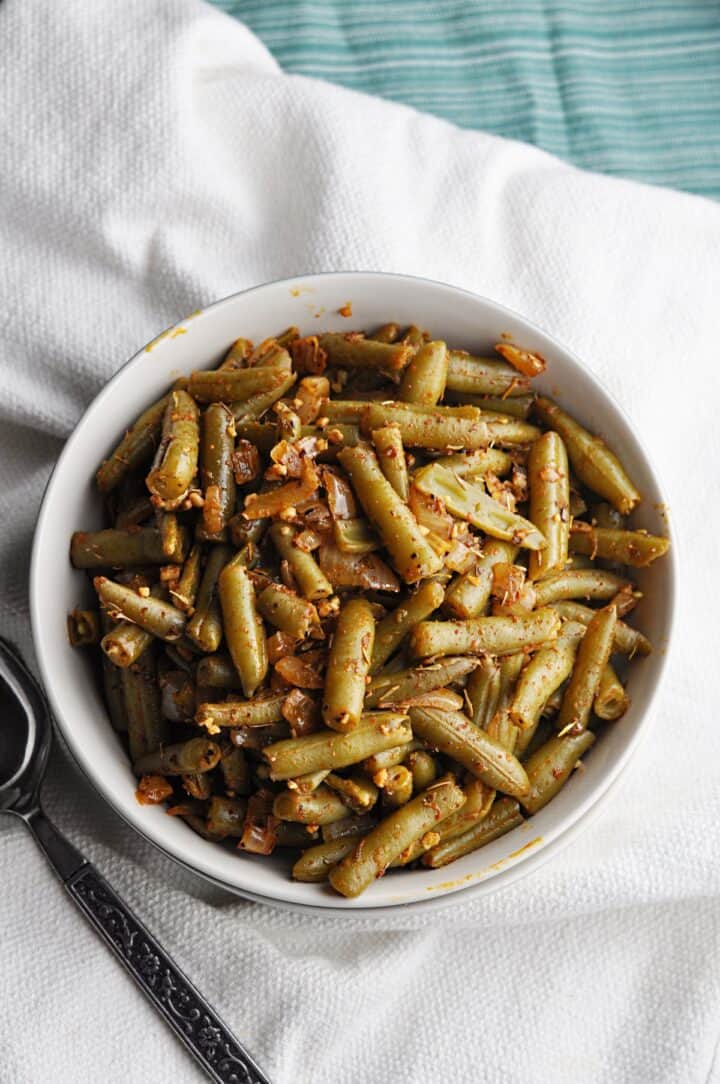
593	462
322	806
635	548
349	828
244	631
226	816
127	547
145	724
502	818
424	378
579	583
312	582
195	755
135	448
184	592
235	772
592	658
373	853
411	554
397	786
260	711
423	769
395	689
216	472
391	457
519	406
483	376
348	665
83	627
233	385
355	536
469	501
176	459
314	865
485	635
549	768
113	685
545	673
475	464
611	700
288	612
357	791
351	351
152	614
468	595
435	430
392	630
483	690
124	643
331	749
548	477
205	627
452	733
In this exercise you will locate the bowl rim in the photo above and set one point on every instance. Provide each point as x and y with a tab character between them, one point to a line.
453	891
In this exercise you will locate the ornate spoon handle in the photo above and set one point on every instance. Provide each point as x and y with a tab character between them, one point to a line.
201	1030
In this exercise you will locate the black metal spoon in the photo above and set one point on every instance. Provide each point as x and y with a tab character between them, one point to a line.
25	737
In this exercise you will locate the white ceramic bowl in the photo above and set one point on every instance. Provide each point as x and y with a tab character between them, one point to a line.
71	503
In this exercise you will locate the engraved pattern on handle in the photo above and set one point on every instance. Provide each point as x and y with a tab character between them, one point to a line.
203	1032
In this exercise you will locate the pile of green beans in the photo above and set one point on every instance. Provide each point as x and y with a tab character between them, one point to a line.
361	599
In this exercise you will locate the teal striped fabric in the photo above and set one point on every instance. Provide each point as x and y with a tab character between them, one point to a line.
618	86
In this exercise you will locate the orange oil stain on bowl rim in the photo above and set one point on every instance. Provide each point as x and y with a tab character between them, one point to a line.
446	886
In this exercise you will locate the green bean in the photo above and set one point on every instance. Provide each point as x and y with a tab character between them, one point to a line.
593	462
469	593
176	458
218	672
260	711
353	352
133	507
152	614
502	818
83	627
436	430
314	865
226	816
253	408
124	643
358	792
323	806
471	464
195	755
485	635
244	631
288	612
313	583
205	627
604	515
349	828
469	501
306	784
397	786
392	630
388	758
387	333
216	472
235	772
145	725
423	769
113	686
413	557
519	406
545	673
528	741
579	583
415	336
549	768
388	690
197	785
348	665
355	536
355	411
391	457
483	376
295	835
331	749
455	736
501	726
184	592
237	355
548	477
128	547
592	658
483	690
424	378
373	853
636	548
611	700
233	385
508	430
478	801
134	449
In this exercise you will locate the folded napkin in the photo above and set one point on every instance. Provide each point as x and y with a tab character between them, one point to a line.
156	158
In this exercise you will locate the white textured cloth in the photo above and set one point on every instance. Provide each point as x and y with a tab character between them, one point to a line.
154	158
